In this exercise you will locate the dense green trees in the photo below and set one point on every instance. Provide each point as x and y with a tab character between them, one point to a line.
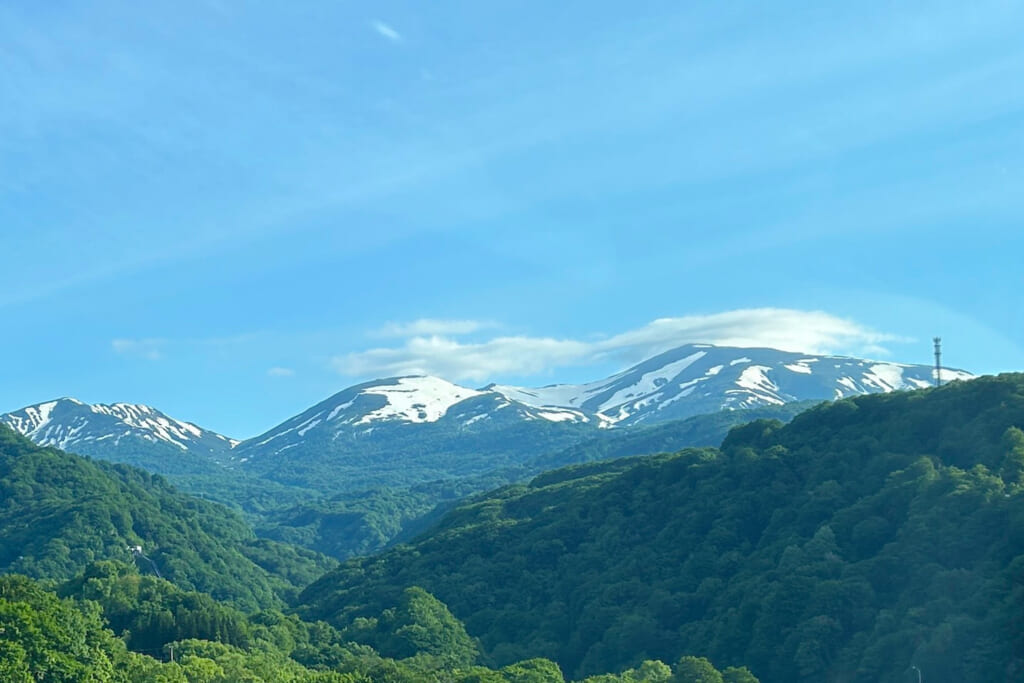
45	638
59	512
194	639
864	537
419	625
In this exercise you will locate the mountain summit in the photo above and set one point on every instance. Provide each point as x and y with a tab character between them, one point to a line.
701	378
372	409
124	432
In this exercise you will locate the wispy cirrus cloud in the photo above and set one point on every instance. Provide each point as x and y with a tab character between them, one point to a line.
440	354
432	327
149	349
386	31
280	372
158	348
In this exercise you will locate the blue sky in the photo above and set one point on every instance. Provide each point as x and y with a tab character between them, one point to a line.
231	210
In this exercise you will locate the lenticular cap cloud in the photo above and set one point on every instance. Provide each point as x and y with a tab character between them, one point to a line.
439	354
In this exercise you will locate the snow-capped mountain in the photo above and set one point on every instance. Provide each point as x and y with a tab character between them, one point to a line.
407	430
122	432
701	378
373	410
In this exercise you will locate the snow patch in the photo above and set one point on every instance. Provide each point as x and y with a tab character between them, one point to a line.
650	382
338	408
849	384
885	376
755	378
309	425
558	416
416	399
686	388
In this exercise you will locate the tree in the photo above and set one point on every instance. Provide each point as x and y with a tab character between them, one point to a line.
691	669
1012	470
533	671
738	675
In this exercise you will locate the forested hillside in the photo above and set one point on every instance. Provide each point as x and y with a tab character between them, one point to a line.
112	625
364	522
666	437
866	537
59	512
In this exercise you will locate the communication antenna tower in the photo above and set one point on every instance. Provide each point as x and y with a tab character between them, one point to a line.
938	361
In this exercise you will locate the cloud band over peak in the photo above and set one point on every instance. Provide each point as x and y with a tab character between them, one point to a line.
429	346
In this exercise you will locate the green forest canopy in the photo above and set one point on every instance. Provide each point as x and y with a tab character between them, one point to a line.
59	512
867	536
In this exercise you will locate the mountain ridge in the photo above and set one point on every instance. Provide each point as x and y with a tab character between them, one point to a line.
688	380
702	378
130	433
409	430
38	423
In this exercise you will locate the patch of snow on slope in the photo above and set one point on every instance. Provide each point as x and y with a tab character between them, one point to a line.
686	388
476	418
948	375
42	413
737	361
554	395
755	378
714	371
885	376
651	381
338	408
149	420
417	399
560	416
34	422
797	367
309	425
848	383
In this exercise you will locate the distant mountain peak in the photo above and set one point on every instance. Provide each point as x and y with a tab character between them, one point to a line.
704	378
68	424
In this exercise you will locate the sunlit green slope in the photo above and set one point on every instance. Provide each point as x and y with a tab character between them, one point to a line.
866	537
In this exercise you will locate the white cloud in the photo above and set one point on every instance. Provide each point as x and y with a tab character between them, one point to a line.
386	31
791	330
431	327
778	328
280	372
451	359
150	349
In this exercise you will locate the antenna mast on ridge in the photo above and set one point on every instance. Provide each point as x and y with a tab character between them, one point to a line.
938	361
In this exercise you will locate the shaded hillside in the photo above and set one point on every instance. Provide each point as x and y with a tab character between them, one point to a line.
364	522
398	454
867	536
59	512
695	431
